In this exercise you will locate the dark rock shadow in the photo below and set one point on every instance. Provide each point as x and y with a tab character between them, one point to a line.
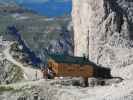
120	13
101	72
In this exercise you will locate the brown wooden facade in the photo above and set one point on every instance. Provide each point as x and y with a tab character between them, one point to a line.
70	69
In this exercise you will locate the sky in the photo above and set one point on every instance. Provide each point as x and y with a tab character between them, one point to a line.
50	8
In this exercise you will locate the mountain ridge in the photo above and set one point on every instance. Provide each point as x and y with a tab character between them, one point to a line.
50	8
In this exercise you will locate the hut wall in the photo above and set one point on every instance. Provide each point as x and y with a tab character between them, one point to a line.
75	70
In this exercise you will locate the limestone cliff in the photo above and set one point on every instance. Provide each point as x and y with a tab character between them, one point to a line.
104	31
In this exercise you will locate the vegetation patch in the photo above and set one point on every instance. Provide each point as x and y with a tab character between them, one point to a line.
18	75
5	89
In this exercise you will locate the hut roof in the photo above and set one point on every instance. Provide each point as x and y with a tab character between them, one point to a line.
69	59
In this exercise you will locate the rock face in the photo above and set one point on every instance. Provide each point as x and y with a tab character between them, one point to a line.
103	30
9	73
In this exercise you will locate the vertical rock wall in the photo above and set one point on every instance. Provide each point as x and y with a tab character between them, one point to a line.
104	30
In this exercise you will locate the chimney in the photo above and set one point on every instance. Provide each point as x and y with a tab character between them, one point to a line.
85	57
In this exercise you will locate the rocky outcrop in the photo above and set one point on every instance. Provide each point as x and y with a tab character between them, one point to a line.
103	30
9	72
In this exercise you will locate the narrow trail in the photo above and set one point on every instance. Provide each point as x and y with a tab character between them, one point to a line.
29	73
